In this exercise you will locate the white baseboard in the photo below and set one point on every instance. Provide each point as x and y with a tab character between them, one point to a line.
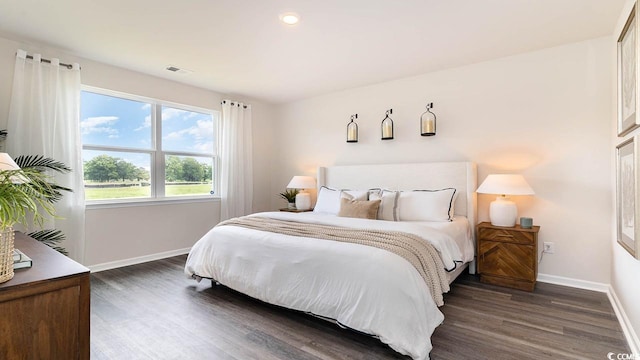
629	333
137	260
627	328
575	283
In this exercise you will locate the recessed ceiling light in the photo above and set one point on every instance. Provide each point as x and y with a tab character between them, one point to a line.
290	18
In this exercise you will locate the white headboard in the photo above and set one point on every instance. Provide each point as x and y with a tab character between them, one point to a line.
417	176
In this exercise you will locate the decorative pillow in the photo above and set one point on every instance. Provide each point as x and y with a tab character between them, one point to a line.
328	201
357	194
388	205
426	205
359	208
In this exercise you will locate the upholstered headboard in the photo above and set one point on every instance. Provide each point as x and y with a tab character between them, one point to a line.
417	176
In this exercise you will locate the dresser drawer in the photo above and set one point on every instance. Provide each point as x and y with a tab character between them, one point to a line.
507	235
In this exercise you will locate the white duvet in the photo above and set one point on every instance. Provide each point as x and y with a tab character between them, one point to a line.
362	287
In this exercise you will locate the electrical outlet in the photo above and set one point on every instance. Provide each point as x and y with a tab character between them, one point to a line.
549	248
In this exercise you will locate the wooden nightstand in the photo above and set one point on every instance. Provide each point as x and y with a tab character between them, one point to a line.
45	308
507	256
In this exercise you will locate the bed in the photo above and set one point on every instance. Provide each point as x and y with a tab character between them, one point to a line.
279	258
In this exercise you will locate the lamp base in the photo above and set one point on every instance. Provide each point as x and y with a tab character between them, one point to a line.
503	212
303	201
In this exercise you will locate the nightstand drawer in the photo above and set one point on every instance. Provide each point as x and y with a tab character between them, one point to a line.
507	235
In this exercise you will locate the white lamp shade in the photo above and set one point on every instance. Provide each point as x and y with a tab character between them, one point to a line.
302	182
7	163
505	184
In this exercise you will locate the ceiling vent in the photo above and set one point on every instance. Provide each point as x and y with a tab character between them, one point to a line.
177	70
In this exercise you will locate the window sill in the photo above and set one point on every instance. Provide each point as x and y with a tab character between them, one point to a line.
110	204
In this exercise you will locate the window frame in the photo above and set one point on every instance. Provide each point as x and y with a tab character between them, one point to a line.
157	155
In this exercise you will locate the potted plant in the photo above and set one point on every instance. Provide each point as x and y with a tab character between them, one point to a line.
53	192
25	194
290	196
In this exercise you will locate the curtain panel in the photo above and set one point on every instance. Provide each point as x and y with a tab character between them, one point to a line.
44	119
236	164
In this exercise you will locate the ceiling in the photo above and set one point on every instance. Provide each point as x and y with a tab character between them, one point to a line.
239	47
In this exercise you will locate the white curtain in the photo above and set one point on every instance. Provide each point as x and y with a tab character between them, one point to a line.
236	167
44	120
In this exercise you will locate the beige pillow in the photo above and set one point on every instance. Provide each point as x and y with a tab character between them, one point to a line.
359	208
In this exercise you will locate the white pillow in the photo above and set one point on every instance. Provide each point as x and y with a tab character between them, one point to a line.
426	205
328	201
388	205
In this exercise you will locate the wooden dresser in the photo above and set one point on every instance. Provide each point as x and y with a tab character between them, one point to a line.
44	310
507	256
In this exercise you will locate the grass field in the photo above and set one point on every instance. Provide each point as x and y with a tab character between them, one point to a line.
137	192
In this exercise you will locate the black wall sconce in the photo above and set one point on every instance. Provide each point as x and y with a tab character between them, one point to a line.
352	130
387	126
428	122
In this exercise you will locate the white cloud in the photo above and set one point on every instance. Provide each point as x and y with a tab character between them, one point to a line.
201	134
145	124
99	124
170	113
206	147
146	106
202	130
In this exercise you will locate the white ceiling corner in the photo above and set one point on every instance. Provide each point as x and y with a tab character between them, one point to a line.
241	47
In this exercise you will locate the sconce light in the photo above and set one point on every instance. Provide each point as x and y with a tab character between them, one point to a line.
352	130
428	122
387	126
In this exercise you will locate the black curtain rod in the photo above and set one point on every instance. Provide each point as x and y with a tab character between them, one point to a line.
234	104
68	66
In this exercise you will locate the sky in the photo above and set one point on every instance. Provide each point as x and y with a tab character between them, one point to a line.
117	122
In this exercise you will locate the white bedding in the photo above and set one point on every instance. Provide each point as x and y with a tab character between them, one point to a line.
364	288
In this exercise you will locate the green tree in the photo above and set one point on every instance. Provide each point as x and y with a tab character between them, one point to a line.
191	170
142	174
173	168
101	168
207	172
125	170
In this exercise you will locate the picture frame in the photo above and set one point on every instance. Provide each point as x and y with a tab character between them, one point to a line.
627	214
627	48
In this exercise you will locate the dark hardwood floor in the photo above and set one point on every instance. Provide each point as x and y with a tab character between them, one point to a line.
152	311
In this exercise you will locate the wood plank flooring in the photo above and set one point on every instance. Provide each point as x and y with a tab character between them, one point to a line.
152	311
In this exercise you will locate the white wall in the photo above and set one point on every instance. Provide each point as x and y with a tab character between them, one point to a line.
543	114
116	234
625	269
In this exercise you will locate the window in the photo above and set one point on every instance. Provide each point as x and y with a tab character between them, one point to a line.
139	148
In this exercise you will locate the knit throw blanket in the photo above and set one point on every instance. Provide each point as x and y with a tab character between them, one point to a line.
418	252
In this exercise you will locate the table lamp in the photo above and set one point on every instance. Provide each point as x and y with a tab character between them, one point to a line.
7	163
503	211
303	199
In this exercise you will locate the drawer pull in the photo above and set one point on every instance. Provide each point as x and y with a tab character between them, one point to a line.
505	236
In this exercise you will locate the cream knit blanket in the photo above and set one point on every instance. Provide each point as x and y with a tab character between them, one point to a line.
418	252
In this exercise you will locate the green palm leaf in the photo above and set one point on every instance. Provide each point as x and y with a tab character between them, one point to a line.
19	198
31	192
51	238
41	163
51	191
